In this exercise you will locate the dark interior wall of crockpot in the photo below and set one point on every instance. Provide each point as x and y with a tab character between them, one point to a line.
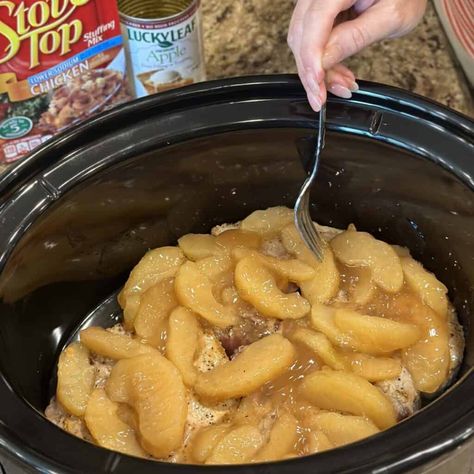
80	250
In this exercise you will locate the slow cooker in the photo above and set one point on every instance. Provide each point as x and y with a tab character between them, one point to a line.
79	212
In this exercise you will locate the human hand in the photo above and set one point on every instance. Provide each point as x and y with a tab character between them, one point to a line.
319	43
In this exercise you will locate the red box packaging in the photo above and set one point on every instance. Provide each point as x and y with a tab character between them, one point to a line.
61	61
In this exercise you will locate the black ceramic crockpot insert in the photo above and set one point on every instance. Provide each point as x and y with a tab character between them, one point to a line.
78	213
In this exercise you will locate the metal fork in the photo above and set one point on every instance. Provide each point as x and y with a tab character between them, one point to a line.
303	221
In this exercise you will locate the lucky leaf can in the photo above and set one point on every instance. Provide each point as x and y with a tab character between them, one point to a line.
163	42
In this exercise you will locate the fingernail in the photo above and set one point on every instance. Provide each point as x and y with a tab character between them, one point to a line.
312	84
315	102
340	91
319	75
354	87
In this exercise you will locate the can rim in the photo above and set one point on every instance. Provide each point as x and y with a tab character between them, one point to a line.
194	4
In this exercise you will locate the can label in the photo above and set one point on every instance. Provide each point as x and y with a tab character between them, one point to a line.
61	61
164	54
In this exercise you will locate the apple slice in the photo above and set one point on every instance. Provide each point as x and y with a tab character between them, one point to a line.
361	249
376	335
194	291
106	427
76	378
153	387
257	285
430	290
325	283
237	446
113	346
347	392
243	374
268	222
184	333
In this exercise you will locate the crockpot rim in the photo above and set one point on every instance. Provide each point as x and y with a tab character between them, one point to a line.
460	427
369	93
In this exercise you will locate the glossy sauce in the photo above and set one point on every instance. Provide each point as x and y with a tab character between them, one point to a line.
427	359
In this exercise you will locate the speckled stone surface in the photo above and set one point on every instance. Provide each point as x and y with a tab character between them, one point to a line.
249	37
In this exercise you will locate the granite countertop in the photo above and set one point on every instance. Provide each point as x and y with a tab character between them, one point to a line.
244	37
249	37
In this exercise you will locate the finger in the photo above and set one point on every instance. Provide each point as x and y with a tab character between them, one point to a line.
323	94
317	25
295	29
352	36
340	81
315	104
317	101
343	16
408	18
344	71
312	89
362	5
294	41
316	92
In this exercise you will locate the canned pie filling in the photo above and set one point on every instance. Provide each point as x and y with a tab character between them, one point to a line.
163	42
239	346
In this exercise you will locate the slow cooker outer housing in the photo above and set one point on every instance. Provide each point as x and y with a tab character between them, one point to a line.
141	175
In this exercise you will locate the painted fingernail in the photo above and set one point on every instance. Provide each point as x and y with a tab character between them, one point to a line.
319	75
315	102
312	84
340	91
354	87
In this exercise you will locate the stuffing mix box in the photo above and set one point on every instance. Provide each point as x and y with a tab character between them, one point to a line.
61	61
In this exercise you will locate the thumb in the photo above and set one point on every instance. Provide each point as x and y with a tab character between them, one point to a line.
350	37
